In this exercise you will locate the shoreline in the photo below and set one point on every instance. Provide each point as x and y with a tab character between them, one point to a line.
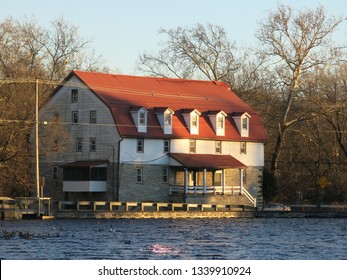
194	215
158	210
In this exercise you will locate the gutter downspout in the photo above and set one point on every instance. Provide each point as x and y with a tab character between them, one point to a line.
118	169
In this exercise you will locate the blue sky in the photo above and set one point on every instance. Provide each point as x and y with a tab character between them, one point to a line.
122	30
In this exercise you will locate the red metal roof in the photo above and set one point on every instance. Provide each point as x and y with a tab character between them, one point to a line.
207	161
122	92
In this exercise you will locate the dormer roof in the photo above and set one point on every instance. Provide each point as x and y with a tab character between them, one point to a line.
189	111
137	109
162	110
123	93
214	113
241	114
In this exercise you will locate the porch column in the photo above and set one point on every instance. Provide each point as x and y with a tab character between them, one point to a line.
223	181
186	176
204	181
241	180
213	177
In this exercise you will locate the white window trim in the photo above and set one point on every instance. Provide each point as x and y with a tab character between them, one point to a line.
194	121
189	118
142	118
220	122
190	146
166	146
245	123
167	118
220	147
239	121
136	115
243	148
164	117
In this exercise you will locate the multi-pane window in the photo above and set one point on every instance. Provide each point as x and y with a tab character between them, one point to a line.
243	147
92	144
220	122
192	146
140	145
245	123
139	175
165	175
54	172
74	117
79	143
218	147
194	120
142	118
92	117
166	146
168	118
74	95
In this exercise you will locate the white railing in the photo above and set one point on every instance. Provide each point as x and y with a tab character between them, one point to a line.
250	197
199	190
205	190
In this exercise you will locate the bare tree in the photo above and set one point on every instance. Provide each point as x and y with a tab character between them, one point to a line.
297	43
27	51
61	46
190	52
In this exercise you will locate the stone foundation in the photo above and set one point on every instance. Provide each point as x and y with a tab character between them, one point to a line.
219	199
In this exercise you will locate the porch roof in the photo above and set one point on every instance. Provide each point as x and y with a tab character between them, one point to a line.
207	161
85	163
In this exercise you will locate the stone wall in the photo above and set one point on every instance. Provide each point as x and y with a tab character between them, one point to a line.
152	187
54	187
219	199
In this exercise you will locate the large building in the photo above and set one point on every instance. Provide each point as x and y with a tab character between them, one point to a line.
129	138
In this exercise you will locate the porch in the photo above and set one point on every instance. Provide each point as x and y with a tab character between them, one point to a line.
208	175
85	176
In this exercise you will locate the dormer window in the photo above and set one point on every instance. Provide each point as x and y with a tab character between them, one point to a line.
139	115
164	116
191	118
242	122
217	119
194	121
220	122
142	118
245	123
167	117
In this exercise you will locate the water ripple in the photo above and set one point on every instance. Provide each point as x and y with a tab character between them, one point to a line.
175	239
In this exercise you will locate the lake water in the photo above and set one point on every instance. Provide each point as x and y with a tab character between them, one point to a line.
167	239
